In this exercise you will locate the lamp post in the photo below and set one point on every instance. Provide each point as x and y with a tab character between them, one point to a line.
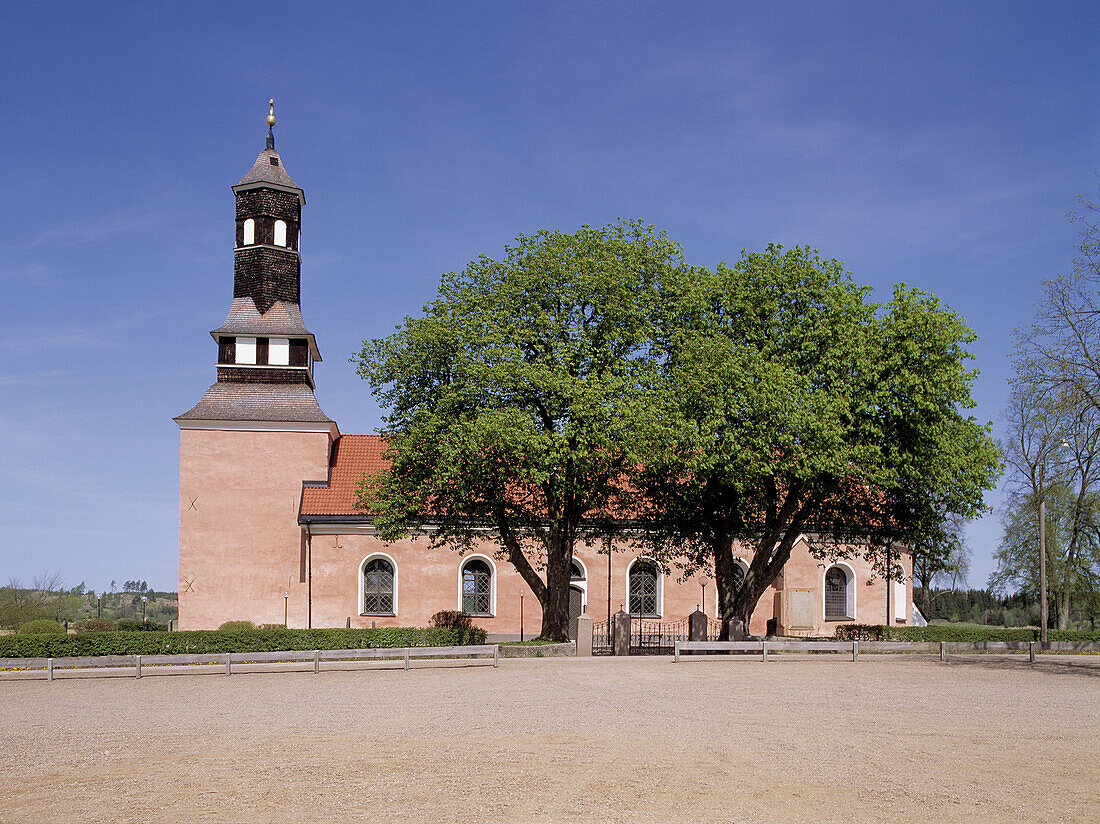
703	607
521	617
286	608
144	600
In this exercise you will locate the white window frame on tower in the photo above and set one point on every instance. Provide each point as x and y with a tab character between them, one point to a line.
278	352
280	233
246	350
249	233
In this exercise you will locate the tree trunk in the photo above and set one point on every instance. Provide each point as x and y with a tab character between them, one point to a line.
726	580
555	606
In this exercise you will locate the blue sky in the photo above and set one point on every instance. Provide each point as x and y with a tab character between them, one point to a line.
939	144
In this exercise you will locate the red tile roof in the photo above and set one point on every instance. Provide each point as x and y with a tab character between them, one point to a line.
352	455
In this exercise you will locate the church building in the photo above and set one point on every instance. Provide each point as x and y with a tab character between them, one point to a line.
268	530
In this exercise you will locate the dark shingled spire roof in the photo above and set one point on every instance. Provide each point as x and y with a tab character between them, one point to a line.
257	402
265	171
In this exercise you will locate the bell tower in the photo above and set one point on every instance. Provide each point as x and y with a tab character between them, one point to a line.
257	432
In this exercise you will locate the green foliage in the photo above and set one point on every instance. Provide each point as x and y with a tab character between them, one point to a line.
450	619
218	641
95	625
877	632
135	625
795	405
42	626
520	398
238	626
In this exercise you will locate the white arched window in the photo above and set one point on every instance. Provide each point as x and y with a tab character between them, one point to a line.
378	586
280	233
478	587
644	584
249	232
840	593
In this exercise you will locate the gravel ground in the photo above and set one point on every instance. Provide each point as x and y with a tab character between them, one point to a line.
616	740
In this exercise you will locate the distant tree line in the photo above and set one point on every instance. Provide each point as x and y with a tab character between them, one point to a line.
46	597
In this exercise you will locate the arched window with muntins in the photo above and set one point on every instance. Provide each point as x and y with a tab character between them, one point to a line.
643	588
836	594
378	587
738	576
477	588
576	572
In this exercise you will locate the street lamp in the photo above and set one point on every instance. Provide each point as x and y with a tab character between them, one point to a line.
521	617
286	607
144	599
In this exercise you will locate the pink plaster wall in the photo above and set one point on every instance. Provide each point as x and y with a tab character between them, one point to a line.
241	549
428	580
239	541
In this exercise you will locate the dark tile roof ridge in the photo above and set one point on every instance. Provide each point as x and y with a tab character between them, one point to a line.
264	171
283	403
282	316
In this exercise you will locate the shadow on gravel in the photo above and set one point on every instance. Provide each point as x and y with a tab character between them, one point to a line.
1086	665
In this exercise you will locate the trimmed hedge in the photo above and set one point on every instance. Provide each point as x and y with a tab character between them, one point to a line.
204	642
879	632
95	625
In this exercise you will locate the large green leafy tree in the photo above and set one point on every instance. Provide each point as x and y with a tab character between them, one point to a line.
797	406
520	398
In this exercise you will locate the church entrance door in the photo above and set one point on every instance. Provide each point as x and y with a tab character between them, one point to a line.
576	603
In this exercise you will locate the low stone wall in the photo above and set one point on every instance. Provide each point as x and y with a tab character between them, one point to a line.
538	650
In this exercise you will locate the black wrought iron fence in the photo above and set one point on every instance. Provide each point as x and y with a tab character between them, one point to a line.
601	638
714	629
647	637
656	637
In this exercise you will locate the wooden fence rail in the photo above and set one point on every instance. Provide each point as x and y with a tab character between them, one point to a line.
941	648
142	665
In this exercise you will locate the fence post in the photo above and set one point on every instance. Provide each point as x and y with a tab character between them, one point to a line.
943	650
676	653
855	650
49	668
1031	651
406	657
496	655
764	651
137	666
227	662
316	661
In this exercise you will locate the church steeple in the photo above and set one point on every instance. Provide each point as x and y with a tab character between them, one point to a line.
265	352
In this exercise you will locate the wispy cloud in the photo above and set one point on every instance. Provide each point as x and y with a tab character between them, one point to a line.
73	233
33	378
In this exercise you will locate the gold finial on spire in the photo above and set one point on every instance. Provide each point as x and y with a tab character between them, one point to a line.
271	113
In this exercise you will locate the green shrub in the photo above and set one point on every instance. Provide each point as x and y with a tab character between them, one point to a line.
133	625
220	641
238	626
95	625
948	632
42	626
449	619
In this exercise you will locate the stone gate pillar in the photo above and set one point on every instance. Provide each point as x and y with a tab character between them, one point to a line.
584	634
620	633
697	626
